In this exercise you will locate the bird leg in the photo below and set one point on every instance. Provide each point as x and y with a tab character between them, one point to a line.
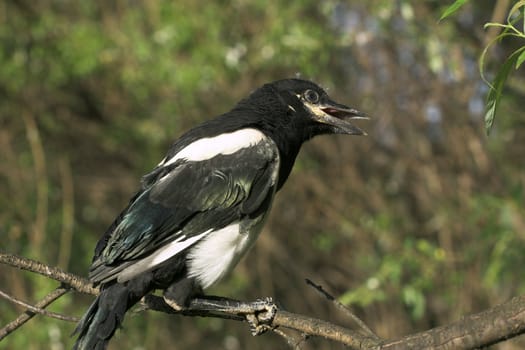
179	293
259	313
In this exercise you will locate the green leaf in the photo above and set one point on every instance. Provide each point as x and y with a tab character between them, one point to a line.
415	299
516	8
496	89
520	59
452	9
484	53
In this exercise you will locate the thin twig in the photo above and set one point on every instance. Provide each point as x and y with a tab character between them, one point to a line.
294	342
343	308
68	212
26	316
38	310
289	339
42	184
304	339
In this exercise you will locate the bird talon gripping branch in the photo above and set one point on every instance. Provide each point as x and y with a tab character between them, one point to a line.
261	319
257	327
266	310
203	206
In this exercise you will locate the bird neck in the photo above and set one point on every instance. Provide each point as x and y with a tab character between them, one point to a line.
288	156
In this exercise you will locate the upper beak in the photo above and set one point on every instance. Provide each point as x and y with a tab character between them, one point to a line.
339	116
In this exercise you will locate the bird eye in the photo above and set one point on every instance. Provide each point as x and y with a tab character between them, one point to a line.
311	96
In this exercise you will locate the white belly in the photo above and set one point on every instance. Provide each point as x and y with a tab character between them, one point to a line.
216	255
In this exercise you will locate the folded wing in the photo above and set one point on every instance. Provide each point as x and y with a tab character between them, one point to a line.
181	203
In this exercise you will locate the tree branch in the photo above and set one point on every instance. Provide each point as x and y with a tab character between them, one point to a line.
78	283
301	323
486	328
482	329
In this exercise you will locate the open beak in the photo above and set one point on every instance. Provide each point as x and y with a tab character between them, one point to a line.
340	116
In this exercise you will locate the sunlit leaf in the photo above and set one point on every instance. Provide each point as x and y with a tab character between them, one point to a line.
415	300
452	9
516	8
494	95
520	59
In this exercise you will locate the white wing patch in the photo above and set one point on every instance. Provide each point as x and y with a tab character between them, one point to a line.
159	256
209	147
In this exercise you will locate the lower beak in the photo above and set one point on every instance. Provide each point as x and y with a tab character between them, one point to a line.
339	116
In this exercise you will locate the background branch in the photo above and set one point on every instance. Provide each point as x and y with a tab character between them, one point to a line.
37	310
343	308
27	315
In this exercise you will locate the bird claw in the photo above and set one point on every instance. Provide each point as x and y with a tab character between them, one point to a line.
262	315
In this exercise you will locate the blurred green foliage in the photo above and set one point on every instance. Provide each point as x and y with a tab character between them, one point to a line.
413	226
512	27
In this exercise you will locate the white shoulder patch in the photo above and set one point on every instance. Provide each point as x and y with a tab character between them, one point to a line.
222	144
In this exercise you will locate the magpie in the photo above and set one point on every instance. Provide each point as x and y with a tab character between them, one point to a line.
202	207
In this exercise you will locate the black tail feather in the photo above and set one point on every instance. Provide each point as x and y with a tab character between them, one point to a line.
103	317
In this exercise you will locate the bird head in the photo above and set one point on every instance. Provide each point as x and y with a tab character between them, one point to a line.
311	108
